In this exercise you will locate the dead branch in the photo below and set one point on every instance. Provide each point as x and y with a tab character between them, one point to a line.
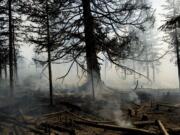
163	129
137	83
169	106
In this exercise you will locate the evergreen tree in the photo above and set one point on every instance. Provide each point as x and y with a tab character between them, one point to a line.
172	31
102	26
11	25
84	28
3	39
43	16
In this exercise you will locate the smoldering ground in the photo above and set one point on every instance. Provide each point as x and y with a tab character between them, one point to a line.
109	102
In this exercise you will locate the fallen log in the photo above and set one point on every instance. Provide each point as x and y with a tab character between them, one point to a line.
88	120
169	106
75	116
158	113
135	104
57	128
53	114
174	131
134	131
177	105
98	122
161	126
143	123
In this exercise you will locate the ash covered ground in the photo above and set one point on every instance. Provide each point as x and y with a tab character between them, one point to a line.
112	112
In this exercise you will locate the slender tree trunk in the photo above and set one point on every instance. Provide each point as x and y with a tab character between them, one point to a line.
11	75
93	68
154	72
5	66
14	53
177	55
0	71
177	46
15	65
105	69
153	67
147	63
5	71
134	75
49	56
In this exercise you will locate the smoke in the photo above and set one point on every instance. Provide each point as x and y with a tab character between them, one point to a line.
4	86
112	111
34	82
112	101
133	97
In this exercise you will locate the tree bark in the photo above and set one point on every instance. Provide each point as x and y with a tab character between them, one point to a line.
177	47
0	71
15	65
93	68
49	56
14	52
11	75
5	71
177	55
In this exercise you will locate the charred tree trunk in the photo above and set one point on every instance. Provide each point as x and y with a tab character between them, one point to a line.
147	63
5	71
0	71
177	55
153	68
49	56
177	46
15	65
93	68
154	72
134	75
14	53
11	75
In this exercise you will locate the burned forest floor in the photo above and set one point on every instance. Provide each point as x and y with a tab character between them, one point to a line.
155	112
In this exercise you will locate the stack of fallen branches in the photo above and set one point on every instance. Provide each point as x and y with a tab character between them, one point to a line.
67	122
78	120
